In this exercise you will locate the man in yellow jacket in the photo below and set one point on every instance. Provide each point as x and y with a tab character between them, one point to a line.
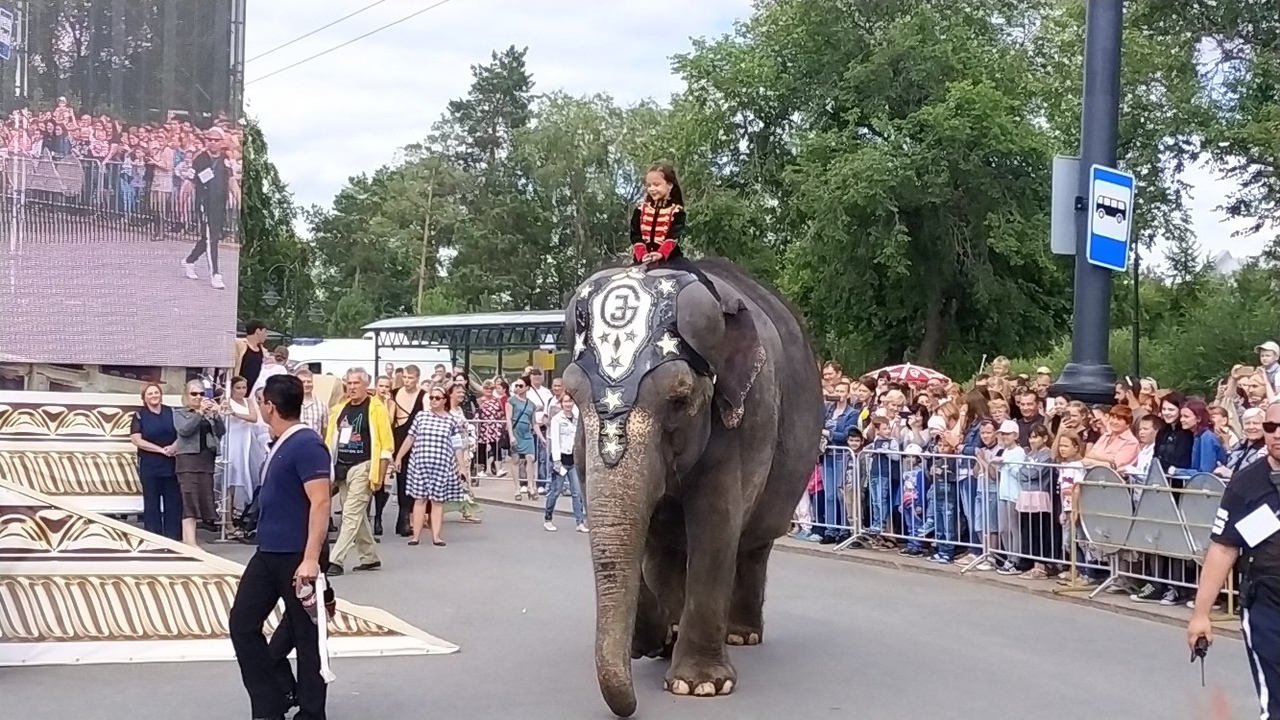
360	441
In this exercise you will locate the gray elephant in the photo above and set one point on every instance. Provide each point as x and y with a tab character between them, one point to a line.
700	428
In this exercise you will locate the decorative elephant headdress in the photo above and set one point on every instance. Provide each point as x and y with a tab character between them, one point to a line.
624	327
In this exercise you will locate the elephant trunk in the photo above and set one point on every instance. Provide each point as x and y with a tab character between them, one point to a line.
620	501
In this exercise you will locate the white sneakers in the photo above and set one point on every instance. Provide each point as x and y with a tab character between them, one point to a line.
551	527
189	270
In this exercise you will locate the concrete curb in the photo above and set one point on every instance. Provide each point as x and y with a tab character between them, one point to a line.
1224	629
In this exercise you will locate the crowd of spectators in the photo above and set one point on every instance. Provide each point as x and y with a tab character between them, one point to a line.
102	166
984	475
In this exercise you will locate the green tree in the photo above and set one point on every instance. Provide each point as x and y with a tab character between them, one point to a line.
891	156
276	285
500	247
579	172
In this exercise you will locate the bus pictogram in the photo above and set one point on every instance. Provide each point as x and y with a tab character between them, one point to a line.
1111	207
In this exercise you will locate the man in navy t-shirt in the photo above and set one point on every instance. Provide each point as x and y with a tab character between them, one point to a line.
292	532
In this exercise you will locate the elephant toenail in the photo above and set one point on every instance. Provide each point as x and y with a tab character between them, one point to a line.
679	687
705	689
735	640
753	639
727	687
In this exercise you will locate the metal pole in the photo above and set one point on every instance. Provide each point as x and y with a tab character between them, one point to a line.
1137	317
1089	376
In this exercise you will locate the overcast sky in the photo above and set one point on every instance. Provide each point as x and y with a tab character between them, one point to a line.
351	110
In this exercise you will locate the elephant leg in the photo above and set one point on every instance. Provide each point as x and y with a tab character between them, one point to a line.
661	601
746	608
713	520
652	636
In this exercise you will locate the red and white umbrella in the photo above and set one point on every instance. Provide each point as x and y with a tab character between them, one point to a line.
913	374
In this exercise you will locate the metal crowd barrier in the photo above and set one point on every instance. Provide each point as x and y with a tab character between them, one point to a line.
70	199
1096	532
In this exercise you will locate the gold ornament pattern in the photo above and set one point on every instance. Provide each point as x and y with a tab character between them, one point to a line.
89	472
64	422
98	608
51	534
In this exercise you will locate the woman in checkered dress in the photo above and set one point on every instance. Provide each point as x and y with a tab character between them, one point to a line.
436	449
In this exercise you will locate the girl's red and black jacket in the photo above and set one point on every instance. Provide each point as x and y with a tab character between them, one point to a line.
656	227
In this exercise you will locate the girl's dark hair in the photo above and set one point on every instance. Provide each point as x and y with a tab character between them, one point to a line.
976	403
669	174
1197	407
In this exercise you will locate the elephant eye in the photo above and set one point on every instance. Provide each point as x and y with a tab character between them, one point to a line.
679	405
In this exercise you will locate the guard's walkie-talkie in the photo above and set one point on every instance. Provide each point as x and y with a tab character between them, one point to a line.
1198	653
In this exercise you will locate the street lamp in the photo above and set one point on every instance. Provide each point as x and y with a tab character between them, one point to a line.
270	297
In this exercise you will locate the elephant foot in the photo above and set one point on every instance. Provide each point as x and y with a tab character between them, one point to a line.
701	679
652	647
743	636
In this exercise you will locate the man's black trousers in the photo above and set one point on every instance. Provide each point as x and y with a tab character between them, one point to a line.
1261	625
267	579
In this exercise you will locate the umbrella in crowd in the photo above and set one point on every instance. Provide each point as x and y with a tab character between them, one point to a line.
913	374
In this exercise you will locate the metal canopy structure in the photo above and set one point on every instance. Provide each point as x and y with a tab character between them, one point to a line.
462	334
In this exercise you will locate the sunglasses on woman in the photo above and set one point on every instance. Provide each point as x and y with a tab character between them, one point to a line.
437	397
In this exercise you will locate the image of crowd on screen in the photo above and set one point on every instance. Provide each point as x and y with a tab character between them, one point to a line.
133	169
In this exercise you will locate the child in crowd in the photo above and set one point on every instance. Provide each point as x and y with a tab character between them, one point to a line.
885	467
946	500
803	518
914	510
853	483
1071	470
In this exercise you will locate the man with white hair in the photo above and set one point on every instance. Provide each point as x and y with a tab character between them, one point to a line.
359	437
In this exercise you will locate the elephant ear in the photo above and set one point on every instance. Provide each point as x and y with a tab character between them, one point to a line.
741	356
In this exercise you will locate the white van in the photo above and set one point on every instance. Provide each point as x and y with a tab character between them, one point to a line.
335	356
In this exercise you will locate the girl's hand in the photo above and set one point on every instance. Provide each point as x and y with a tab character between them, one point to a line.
651	258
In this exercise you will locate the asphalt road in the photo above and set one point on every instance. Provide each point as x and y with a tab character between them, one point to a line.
126	302
841	641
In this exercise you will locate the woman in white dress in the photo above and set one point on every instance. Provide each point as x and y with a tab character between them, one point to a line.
242	420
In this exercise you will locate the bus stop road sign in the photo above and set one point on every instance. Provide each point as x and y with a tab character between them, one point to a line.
1110	208
6	34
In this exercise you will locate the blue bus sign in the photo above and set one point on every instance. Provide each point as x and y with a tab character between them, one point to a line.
1110	208
6	34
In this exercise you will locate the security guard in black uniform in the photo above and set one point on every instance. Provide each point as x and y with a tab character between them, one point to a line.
1247	529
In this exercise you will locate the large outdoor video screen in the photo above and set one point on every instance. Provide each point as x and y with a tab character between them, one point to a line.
121	199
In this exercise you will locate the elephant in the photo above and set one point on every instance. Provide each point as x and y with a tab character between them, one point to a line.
699	430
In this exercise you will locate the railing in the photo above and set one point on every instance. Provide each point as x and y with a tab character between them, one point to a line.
1094	531
85	200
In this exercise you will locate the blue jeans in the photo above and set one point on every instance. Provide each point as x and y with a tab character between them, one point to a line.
968	498
944	507
878	490
913	524
541	462
834	466
575	490
162	505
